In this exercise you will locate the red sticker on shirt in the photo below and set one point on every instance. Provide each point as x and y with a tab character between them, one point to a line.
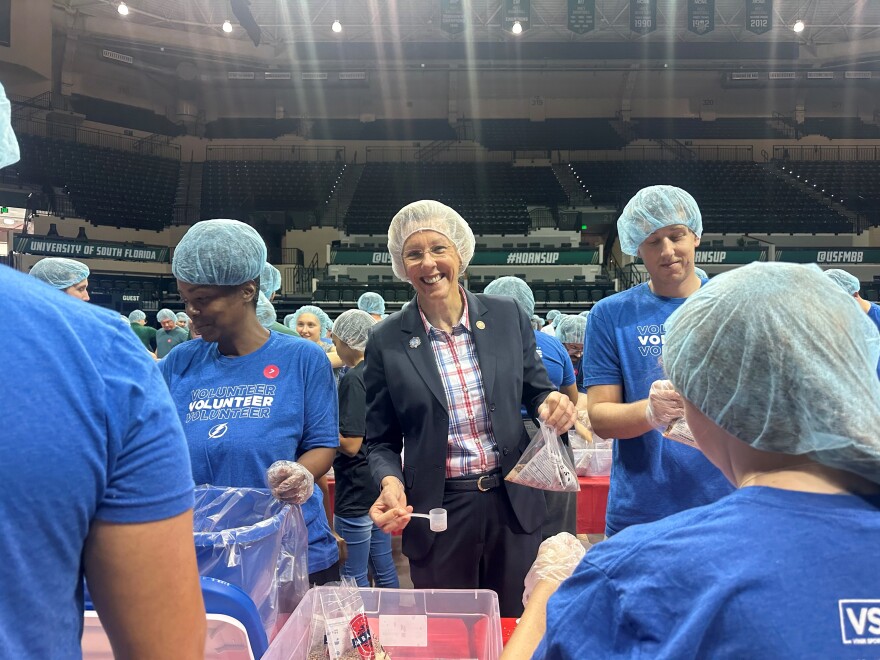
271	371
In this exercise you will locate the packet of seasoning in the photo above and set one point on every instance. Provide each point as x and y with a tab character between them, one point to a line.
680	432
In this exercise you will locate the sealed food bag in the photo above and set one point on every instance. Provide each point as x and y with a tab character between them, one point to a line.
680	432
545	464
341	630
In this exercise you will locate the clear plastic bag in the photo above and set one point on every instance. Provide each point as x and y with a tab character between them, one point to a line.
545	464
595	459
340	629
680	432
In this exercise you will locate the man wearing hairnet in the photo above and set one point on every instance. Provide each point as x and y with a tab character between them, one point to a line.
68	275
145	333
373	304
270	283
94	476
170	334
367	545
785	566
651	476
550	324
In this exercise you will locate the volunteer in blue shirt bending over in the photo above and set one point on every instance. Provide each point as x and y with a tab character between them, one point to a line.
247	396
651	477
785	567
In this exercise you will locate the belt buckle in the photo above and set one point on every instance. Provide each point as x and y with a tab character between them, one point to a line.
480	484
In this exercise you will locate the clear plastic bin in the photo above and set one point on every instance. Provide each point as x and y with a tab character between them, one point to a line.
595	460
411	624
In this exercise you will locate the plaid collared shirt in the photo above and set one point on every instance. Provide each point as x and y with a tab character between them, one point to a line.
471	446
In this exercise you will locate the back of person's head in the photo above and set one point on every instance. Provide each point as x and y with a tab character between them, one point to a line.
266	314
552	315
371	303
653	208
781	358
537	322
270	279
59	272
571	329
219	253
516	289
353	328
137	315
846	281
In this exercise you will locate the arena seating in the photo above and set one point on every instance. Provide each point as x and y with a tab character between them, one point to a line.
493	197
106	186
839	129
734	197
126	116
427	130
244	186
522	134
250	128
856	184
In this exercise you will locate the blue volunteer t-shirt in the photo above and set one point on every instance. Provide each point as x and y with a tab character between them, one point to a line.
651	477
241	414
556	362
874	315
762	573
89	433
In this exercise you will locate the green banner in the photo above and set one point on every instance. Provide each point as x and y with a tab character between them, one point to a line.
829	256
61	247
581	16
482	258
513	11
452	16
722	257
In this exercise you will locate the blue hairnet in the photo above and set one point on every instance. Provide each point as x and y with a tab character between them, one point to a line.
265	311
353	328
571	329
428	215
536	321
320	314
9	152
699	272
181	316
137	315
653	208
371	303
552	315
270	279
516	289
846	281
60	272
585	313
289	321
219	252
779	357
166	315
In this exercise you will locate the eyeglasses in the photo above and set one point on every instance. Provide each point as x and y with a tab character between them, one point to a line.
417	256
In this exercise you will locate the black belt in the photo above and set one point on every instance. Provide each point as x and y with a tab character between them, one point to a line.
481	483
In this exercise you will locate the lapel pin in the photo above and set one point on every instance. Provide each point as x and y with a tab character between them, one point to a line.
481	325
415	342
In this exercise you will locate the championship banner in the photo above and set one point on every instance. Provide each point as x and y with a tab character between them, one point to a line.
54	247
452	16
516	10
759	16
581	16
643	16
701	16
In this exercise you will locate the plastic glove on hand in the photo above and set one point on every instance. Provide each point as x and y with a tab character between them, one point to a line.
290	482
557	558
665	405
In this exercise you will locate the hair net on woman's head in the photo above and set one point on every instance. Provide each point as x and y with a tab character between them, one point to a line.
846	281
181	316
9	152
779	357
699	272
552	315
317	312
371	303
137	315
288	320
516	289
653	208
166	315
60	272
571	329
433	216
353	328
265	311
219	252
270	279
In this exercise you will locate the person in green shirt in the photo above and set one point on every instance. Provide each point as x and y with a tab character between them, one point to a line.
270	282
145	333
170	335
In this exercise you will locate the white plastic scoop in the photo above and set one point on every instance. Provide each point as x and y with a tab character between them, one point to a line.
436	518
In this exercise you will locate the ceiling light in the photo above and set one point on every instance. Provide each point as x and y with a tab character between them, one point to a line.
227	27
517	27
336	27
122	9
798	26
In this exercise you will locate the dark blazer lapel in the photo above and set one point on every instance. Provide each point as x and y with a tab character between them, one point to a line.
485	340
418	349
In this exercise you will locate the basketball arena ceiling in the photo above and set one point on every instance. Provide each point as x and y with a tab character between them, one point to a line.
834	30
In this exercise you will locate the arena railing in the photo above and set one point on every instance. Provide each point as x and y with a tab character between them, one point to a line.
453	154
744	153
290	153
817	152
96	138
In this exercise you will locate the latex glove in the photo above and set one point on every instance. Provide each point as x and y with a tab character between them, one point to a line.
665	405
390	511
557	558
558	412
290	482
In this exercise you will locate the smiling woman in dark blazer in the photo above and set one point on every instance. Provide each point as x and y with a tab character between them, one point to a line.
449	375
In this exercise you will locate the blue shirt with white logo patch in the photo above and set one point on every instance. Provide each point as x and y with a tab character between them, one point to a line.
762	573
241	414
651	477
